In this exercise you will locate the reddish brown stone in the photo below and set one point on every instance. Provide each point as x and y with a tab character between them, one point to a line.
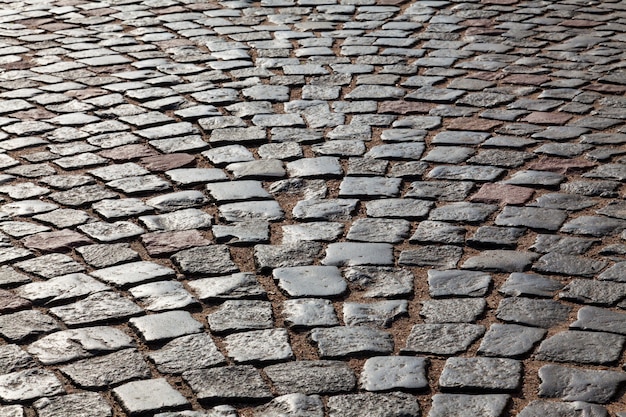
170	242
580	23
467	123
503	194
526	79
606	88
57	241
10	302
128	152
547	118
161	163
34	114
561	166
403	107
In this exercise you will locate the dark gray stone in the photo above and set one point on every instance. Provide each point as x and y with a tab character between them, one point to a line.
378	314
379	230
509	340
562	244
559	263
534	218
229	383
186	353
399	208
330	209
562	409
374	281
394	404
133	273
310	281
292	405
311	377
438	232
352	254
463	405
342	341
496	237
287	255
540	313
16	327
572	384
463	212
493	374
586	291
453	310
107	370
440	190
520	284
255	346
207	260
594	226
237	315
458	283
81	404
441	257
591	348
501	261
151	395
600	319
442	339
369	187
235	286
106	306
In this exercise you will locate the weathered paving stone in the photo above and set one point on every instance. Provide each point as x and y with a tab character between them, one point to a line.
68	345
534	218
18	326
150	395
369	187
509	340
57	241
374	281
217	411
167	325
464	405
533	312
107	370
310	281
251	211
494	374
317	231
440	190
377	314
80	196
9	302
600	319
399	208
100	307
237	190
438	232
586	291
211	260
104	255
238	315
133	273
286	255
573	384
440	257
311	377
178	220
594	226
462	212
591	347
563	201
10	277
331	209
230	383
344	341
562	244
496	237
309	312
50	266
383	373
259	346
501	261
82	404
177	200
28	385
379	230
323	166
559	263
453	310
394	404
122	208
442	339
13	359
292	404
564	409
19	229
235	286
353	254
521	284
163	295
111	232
458	283
186	353
160	243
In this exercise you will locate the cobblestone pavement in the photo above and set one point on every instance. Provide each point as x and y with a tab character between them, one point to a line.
312	208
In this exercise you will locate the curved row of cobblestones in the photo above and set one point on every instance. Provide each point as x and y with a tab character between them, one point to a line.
312	208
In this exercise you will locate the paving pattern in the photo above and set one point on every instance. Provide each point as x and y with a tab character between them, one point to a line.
312	208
